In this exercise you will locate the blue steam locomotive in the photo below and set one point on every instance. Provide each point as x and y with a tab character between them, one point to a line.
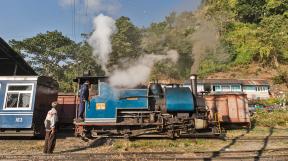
153	111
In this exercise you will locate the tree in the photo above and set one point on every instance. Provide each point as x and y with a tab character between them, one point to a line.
272	34
250	11
82	60
53	54
125	43
47	53
274	7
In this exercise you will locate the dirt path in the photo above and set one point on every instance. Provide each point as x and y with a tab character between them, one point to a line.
71	144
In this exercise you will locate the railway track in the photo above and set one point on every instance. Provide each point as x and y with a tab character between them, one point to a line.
242	139
266	154
257	138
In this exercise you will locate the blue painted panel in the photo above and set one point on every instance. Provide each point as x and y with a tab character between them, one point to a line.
13	118
16	121
105	105
179	100
108	112
108	98
133	98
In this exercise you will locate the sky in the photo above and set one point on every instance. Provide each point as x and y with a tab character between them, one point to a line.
23	19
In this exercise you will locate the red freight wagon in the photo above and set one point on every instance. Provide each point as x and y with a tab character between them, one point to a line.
230	107
67	110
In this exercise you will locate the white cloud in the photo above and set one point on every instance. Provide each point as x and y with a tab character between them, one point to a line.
65	3
95	6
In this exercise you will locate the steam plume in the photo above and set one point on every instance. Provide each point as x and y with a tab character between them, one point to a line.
100	40
205	39
138	73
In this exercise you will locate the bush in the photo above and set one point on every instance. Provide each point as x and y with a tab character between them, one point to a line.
274	118
267	102
281	78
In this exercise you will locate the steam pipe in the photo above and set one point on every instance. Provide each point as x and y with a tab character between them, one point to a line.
193	79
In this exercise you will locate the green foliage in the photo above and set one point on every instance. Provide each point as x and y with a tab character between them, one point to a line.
250	10
258	31
271	119
53	54
125	43
272	35
173	33
267	102
242	37
47	53
275	7
210	66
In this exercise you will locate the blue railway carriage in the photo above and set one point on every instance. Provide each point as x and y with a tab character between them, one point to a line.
24	103
146	111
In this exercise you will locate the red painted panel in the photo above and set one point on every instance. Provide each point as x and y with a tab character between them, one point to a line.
67	108
231	107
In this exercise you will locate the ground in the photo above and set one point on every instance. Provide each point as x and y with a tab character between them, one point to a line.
69	144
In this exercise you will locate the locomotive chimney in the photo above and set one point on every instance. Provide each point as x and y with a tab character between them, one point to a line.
193	79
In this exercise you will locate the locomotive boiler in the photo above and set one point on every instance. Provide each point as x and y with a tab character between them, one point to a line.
171	111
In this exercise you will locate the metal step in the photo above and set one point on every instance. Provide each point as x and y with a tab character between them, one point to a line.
17	133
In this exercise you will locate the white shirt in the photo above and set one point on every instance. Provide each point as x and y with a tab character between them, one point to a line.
51	119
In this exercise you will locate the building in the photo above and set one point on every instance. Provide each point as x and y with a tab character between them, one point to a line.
25	97
255	89
11	63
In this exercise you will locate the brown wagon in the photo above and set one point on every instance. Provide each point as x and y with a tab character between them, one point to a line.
229	108
67	110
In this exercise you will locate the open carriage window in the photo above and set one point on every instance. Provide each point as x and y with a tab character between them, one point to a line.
93	90
18	96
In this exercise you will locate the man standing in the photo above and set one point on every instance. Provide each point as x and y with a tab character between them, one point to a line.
50	126
84	96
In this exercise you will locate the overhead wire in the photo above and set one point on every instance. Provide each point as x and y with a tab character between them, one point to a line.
74	20
85	21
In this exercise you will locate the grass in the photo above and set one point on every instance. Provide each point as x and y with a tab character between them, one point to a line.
185	145
274	118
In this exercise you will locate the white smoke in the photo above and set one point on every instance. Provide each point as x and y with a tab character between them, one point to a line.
136	73
139	72
100	40
205	39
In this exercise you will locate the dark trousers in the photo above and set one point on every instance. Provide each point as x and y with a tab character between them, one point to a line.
50	141
81	109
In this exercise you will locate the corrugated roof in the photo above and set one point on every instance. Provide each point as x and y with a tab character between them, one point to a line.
219	81
232	81
255	82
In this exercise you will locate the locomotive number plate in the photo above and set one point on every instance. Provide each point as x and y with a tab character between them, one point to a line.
132	98
100	106
19	119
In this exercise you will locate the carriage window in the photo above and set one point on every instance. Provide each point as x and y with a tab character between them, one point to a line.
18	96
